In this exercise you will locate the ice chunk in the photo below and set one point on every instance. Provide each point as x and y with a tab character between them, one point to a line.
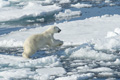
64	1
110	44
117	62
51	71
78	5
117	30
21	62
15	73
3	3
41	20
111	79
111	34
88	53
67	14
31	9
102	69
29	5
105	74
109	63
76	77
108	1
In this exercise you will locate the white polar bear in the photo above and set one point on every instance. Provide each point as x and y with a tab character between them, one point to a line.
37	41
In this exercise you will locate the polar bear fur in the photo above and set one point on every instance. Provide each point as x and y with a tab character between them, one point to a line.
37	41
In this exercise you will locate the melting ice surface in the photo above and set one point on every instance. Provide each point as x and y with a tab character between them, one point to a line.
90	31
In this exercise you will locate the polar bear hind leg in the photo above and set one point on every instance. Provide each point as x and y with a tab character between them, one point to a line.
28	52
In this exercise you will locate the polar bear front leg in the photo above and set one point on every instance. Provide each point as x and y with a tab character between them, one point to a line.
55	43
60	43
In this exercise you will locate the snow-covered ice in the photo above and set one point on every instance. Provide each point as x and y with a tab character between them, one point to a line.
9	74
90	31
29	10
80	32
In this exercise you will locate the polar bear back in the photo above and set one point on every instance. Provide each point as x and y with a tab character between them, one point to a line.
36	40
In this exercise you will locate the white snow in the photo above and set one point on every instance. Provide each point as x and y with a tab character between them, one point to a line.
10	43
91	43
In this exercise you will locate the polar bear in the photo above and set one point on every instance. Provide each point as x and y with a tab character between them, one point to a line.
37	41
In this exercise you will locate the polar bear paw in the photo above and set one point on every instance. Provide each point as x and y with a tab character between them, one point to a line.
25	56
60	43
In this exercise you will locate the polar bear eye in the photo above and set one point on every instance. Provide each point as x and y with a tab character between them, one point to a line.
56	28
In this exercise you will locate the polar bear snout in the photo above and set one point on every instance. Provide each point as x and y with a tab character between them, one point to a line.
59	30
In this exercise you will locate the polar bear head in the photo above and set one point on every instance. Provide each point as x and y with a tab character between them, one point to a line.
54	29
